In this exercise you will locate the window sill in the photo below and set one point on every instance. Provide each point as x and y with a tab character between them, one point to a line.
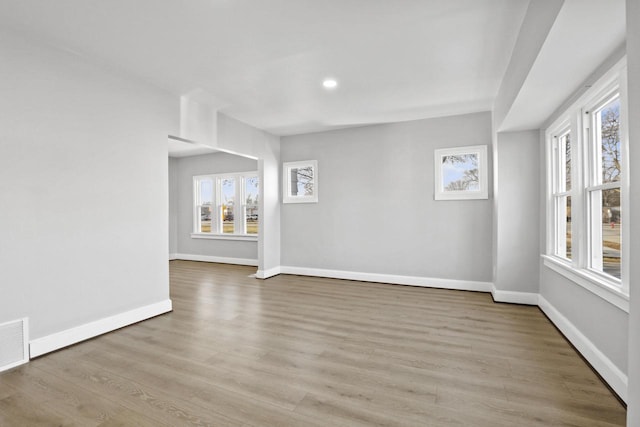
212	236
591	282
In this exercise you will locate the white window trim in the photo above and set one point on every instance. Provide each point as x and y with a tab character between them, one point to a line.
286	182
557	174
239	208
576	269
218	236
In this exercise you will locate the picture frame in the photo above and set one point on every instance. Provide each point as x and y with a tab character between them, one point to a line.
300	182
461	173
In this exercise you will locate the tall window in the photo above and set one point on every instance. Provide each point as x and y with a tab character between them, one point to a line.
226	204
587	185
562	193
603	185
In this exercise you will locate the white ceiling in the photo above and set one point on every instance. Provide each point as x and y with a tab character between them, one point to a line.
264	61
584	34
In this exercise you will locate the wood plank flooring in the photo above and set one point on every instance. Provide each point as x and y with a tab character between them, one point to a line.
298	351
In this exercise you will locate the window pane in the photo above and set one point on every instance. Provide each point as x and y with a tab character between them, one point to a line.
206	203
611	232
301	181
565	147
563	218
251	203
206	192
205	219
227	199
608	137
460	173
567	220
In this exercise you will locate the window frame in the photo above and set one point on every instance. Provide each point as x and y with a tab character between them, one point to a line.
593	176
578	121
239	209
482	193
559	191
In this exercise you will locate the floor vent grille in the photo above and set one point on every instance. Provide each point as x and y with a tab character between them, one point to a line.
14	338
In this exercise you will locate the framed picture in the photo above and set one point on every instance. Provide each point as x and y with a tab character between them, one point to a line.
300	182
461	173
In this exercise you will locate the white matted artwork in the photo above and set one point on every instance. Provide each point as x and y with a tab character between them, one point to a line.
461	173
300	182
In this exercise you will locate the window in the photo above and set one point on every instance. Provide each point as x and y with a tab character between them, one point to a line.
562	193
226	204
604	173
461	173
300	182
586	163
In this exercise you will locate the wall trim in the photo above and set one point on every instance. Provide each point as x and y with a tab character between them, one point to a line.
58	340
528	298
173	256
218	259
265	274
428	282
600	362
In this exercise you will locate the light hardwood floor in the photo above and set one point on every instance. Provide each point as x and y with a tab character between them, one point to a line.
297	351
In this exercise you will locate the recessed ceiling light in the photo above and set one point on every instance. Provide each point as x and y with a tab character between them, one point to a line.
329	83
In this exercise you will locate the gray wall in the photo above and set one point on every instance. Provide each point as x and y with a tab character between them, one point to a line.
185	168
83	189
604	324
518	215
633	58
376	211
173	205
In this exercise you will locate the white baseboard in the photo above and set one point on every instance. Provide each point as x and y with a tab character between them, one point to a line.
265	274
219	259
173	256
429	282
40	346
528	298
601	363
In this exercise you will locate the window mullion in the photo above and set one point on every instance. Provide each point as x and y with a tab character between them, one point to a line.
583	171
197	203
238	215
624	185
218	199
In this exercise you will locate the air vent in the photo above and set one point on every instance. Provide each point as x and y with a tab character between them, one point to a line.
14	337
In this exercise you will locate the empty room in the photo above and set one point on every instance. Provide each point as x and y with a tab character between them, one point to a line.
319	213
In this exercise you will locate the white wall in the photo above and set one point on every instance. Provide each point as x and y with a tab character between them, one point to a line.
173	206
376	212
540	16
83	189
633	64
517	181
237	137
185	168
